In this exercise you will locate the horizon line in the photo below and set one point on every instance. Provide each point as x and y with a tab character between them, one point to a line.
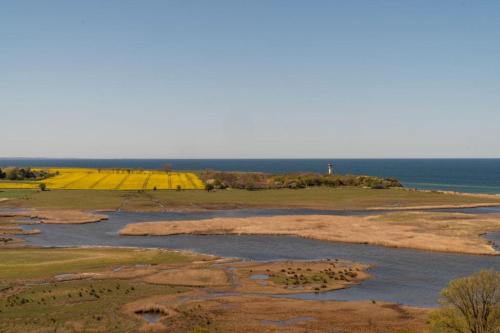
242	158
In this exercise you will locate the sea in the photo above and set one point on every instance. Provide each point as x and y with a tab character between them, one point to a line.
460	175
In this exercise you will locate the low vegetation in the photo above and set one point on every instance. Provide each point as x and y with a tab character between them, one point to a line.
110	290
258	181
470	305
75	306
318	279
42	263
288	277
54	290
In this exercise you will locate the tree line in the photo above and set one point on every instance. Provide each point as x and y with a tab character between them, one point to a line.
260	181
13	173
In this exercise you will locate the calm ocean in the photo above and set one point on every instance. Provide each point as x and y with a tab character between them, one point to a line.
464	175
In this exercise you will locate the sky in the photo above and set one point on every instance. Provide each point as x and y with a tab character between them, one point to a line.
249	79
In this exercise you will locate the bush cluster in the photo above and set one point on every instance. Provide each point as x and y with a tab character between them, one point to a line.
23	174
258	181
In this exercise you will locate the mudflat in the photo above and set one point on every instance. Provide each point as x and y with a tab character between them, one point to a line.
446	232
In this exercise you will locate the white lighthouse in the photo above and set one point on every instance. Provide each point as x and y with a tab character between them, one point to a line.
330	168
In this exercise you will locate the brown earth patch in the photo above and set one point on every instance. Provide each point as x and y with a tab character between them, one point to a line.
189	277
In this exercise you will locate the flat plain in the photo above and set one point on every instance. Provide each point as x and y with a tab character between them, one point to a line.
340	198
122	290
111	179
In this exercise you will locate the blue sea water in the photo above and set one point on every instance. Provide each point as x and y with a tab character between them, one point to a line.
462	175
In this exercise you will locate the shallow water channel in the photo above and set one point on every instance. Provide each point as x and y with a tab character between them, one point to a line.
405	276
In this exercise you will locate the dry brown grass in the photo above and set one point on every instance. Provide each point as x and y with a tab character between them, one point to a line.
267	314
427	231
189	277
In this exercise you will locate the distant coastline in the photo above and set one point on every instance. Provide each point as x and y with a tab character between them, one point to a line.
478	175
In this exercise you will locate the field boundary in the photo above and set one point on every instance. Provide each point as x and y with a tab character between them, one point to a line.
99	181
122	182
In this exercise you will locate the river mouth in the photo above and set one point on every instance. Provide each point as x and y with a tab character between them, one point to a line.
405	276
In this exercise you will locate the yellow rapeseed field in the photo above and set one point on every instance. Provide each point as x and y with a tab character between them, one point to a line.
18	185
112	179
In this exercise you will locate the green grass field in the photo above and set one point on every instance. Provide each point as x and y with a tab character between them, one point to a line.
317	197
29	263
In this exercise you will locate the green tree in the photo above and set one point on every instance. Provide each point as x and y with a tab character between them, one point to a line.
42	186
470	305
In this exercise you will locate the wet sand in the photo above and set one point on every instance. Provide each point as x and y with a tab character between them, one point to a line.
445	232
57	216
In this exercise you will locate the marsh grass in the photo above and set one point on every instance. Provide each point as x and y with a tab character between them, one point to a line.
29	263
76	306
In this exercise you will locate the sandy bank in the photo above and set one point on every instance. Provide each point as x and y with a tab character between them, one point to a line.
445	232
429	207
58	216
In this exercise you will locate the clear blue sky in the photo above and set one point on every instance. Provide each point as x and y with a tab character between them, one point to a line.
259	78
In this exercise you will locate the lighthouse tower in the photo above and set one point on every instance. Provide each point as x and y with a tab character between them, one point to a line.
330	168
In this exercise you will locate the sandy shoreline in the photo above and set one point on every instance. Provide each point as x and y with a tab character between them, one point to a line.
57	216
430	207
443	232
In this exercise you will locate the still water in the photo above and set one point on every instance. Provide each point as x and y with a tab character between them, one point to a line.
399	275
